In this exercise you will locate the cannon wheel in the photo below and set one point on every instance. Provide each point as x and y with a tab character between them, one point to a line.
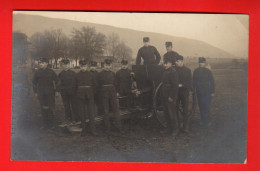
157	105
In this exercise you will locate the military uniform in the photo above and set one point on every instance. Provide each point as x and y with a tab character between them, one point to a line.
170	54
97	98
43	85
67	88
149	54
203	84
106	79
86	85
170	89
184	75
123	83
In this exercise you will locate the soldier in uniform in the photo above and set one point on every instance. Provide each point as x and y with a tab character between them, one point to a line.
204	86
86	84
107	81
94	72
170	53
123	86
148	53
184	75
67	88
44	83
169	96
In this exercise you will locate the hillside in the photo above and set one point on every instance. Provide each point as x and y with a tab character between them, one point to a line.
30	24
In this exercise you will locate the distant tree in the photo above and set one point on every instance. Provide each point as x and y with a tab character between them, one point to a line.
113	41
20	47
117	48
123	51
51	44
86	43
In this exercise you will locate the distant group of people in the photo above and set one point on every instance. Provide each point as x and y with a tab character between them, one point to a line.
81	91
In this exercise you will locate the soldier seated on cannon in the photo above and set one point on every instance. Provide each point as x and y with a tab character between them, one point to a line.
148	53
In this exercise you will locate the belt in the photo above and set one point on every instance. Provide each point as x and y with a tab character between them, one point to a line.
84	86
107	85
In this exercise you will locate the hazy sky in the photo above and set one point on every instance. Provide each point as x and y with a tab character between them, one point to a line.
225	31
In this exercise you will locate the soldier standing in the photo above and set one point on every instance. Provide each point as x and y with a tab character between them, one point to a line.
203	84
123	78
97	99
148	53
67	88
170	53
107	81
44	83
169	96
86	85
184	75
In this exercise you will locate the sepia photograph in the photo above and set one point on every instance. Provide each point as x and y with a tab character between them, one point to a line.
129	87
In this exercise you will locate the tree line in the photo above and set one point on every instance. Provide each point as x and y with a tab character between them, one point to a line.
84	43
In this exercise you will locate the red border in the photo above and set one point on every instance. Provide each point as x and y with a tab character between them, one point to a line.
201	6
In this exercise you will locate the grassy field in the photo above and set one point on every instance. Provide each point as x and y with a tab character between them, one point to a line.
224	142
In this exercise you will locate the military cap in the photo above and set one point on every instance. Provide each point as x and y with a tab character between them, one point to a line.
179	57
82	62
124	62
168	44
65	61
202	60
42	60
93	63
108	61
146	39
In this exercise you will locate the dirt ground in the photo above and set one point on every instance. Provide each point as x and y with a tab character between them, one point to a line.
224	142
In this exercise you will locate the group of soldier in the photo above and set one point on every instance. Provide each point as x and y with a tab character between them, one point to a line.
84	90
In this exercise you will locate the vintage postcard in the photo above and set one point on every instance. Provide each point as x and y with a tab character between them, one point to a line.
129	87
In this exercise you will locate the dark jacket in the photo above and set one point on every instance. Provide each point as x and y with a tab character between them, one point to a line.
67	81
149	54
123	81
172	54
203	81
185	78
106	78
170	83
43	81
85	79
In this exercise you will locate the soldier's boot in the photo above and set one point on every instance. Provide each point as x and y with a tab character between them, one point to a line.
84	130
50	118
93	129
107	123
44	113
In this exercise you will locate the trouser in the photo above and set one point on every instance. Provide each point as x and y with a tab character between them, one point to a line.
170	114
204	100
86	107
47	103
109	97
70	106
183	102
